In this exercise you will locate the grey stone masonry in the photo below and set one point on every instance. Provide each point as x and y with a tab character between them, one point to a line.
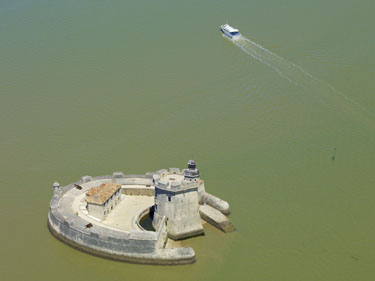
131	246
180	202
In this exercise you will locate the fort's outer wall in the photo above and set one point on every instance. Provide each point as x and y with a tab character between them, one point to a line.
134	246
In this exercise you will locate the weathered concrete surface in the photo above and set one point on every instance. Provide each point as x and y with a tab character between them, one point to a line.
215	202
216	218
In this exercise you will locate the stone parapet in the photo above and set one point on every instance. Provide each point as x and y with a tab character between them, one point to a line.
175	171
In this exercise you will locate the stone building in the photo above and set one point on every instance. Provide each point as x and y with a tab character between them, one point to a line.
102	199
176	198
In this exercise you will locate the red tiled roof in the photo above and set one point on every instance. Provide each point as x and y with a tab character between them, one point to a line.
99	195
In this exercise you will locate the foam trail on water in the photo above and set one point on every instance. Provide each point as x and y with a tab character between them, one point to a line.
296	74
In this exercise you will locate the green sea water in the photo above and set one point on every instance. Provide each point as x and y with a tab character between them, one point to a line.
92	87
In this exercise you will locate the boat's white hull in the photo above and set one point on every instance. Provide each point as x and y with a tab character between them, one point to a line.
228	34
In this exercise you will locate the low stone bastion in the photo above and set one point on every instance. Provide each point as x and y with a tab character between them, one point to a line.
119	235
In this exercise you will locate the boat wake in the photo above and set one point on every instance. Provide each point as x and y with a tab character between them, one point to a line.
298	76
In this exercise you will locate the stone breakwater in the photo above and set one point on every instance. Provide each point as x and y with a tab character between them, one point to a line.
69	222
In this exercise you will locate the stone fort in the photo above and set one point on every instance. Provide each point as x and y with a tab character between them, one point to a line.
103	215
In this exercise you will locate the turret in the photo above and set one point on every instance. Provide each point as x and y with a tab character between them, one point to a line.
56	186
191	173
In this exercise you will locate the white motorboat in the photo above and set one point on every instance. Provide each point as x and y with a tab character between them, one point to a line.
229	31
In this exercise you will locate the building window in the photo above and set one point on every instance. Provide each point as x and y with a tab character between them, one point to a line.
169	199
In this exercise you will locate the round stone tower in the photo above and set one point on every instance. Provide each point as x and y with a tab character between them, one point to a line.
176	198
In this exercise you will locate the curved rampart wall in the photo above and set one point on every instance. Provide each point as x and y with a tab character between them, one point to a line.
136	221
133	246
162	227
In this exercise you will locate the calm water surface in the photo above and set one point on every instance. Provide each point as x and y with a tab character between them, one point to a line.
92	87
